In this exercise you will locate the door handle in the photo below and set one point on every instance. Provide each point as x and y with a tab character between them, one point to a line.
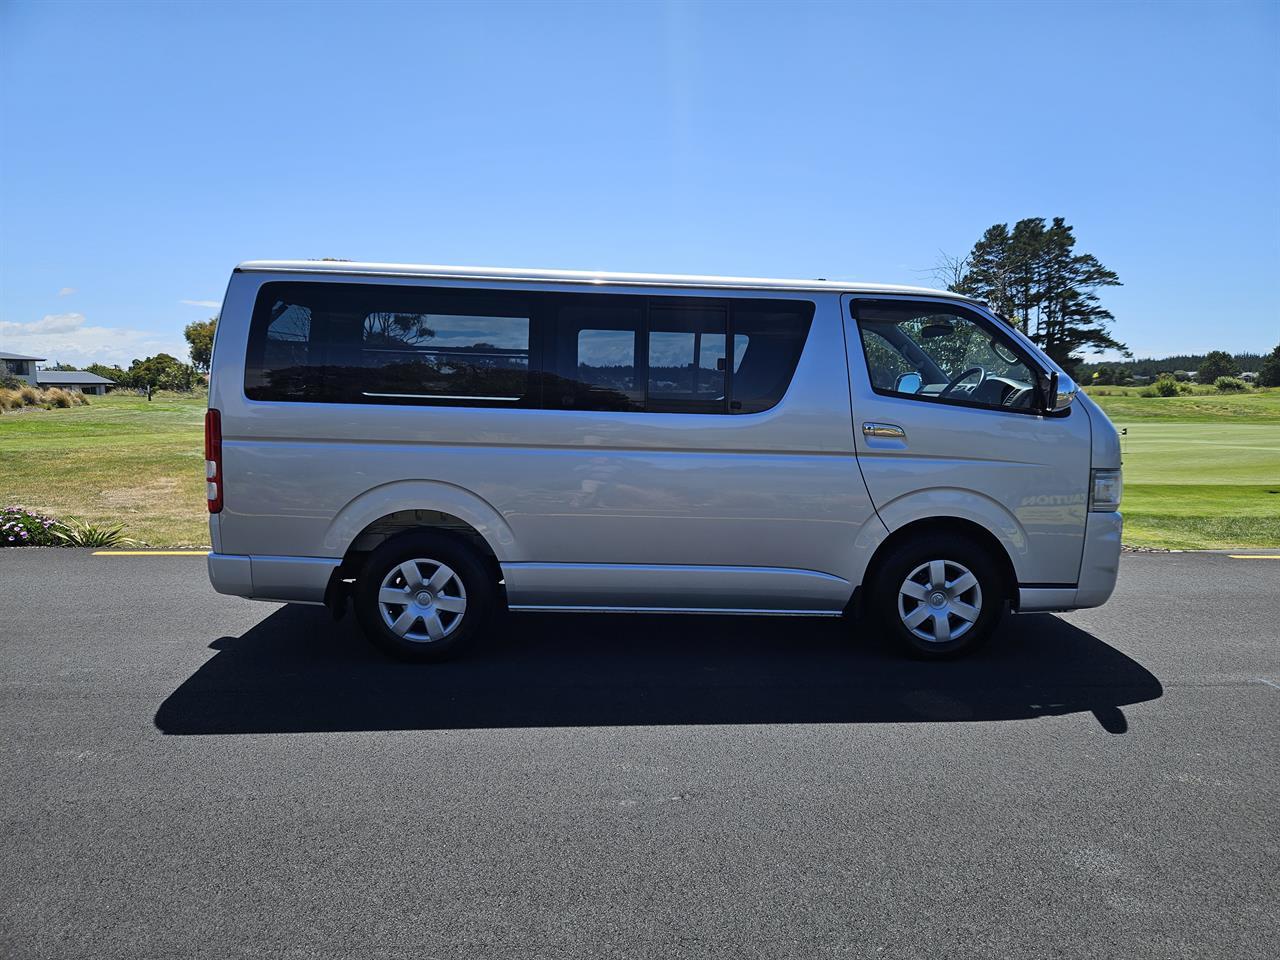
887	431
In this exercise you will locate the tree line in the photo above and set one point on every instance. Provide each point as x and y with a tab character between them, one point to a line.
1207	368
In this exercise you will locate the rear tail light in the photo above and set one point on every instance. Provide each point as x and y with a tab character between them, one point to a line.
213	459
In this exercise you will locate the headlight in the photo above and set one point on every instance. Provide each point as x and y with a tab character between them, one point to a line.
1104	495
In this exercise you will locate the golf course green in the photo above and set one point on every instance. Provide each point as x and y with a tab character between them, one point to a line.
1201	471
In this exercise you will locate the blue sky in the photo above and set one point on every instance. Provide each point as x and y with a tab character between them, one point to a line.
146	149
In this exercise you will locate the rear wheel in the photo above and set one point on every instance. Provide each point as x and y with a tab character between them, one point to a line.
939	595
423	596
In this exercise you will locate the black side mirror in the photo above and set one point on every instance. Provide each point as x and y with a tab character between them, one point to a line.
1049	386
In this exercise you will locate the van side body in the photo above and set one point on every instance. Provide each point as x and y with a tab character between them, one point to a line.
637	481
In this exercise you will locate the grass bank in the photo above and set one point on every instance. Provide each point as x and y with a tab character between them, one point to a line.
119	459
1123	404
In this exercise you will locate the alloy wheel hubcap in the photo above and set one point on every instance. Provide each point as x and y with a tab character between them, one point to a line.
422	600
939	601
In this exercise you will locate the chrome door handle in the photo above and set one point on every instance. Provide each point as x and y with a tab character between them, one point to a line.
888	431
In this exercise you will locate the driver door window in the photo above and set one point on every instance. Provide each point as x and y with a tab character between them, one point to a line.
939	353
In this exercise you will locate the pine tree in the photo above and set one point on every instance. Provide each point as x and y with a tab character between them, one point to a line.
1218	363
1269	372
1032	276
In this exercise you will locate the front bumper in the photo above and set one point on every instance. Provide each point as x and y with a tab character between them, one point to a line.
1100	564
283	579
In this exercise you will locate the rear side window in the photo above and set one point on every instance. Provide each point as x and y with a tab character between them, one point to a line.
687	357
594	359
768	337
381	343
365	343
670	354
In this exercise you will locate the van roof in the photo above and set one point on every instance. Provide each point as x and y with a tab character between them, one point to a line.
593	278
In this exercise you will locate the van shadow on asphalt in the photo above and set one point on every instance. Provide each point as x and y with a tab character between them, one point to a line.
299	671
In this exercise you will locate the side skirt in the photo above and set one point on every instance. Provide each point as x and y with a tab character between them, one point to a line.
712	611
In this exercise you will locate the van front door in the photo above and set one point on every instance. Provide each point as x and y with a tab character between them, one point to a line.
948	423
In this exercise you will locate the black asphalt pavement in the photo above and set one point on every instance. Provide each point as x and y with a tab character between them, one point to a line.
186	774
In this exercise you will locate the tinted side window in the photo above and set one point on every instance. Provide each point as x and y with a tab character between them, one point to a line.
366	343
593	354
381	343
686	358
768	338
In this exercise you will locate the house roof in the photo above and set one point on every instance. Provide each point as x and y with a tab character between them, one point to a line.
602	278
18	356
69	377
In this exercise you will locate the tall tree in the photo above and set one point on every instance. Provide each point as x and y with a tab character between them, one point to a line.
199	336
1217	363
1033	276
1269	371
161	372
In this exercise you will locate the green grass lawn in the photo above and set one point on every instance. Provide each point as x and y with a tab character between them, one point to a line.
120	459
1200	471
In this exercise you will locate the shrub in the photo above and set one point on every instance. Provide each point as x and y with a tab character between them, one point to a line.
10	382
1185	388
58	397
20	527
1166	387
1148	392
79	399
81	533
1230	385
30	397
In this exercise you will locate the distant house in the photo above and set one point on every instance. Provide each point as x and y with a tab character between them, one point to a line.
18	365
79	380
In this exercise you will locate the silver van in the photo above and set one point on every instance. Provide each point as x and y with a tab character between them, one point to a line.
432	445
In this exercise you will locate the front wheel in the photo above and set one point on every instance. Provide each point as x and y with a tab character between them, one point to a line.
423	596
940	596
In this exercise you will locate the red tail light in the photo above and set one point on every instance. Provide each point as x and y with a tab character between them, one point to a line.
213	459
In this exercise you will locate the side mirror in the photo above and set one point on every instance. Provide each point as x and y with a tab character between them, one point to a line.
1060	391
908	383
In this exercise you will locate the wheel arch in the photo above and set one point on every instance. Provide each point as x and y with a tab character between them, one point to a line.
403	505
947	504
958	526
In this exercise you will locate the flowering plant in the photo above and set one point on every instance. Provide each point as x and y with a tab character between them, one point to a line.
20	527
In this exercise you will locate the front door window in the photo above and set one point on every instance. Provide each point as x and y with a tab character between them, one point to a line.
941	353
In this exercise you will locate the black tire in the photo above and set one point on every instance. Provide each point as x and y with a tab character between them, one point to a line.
887	603
425	612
